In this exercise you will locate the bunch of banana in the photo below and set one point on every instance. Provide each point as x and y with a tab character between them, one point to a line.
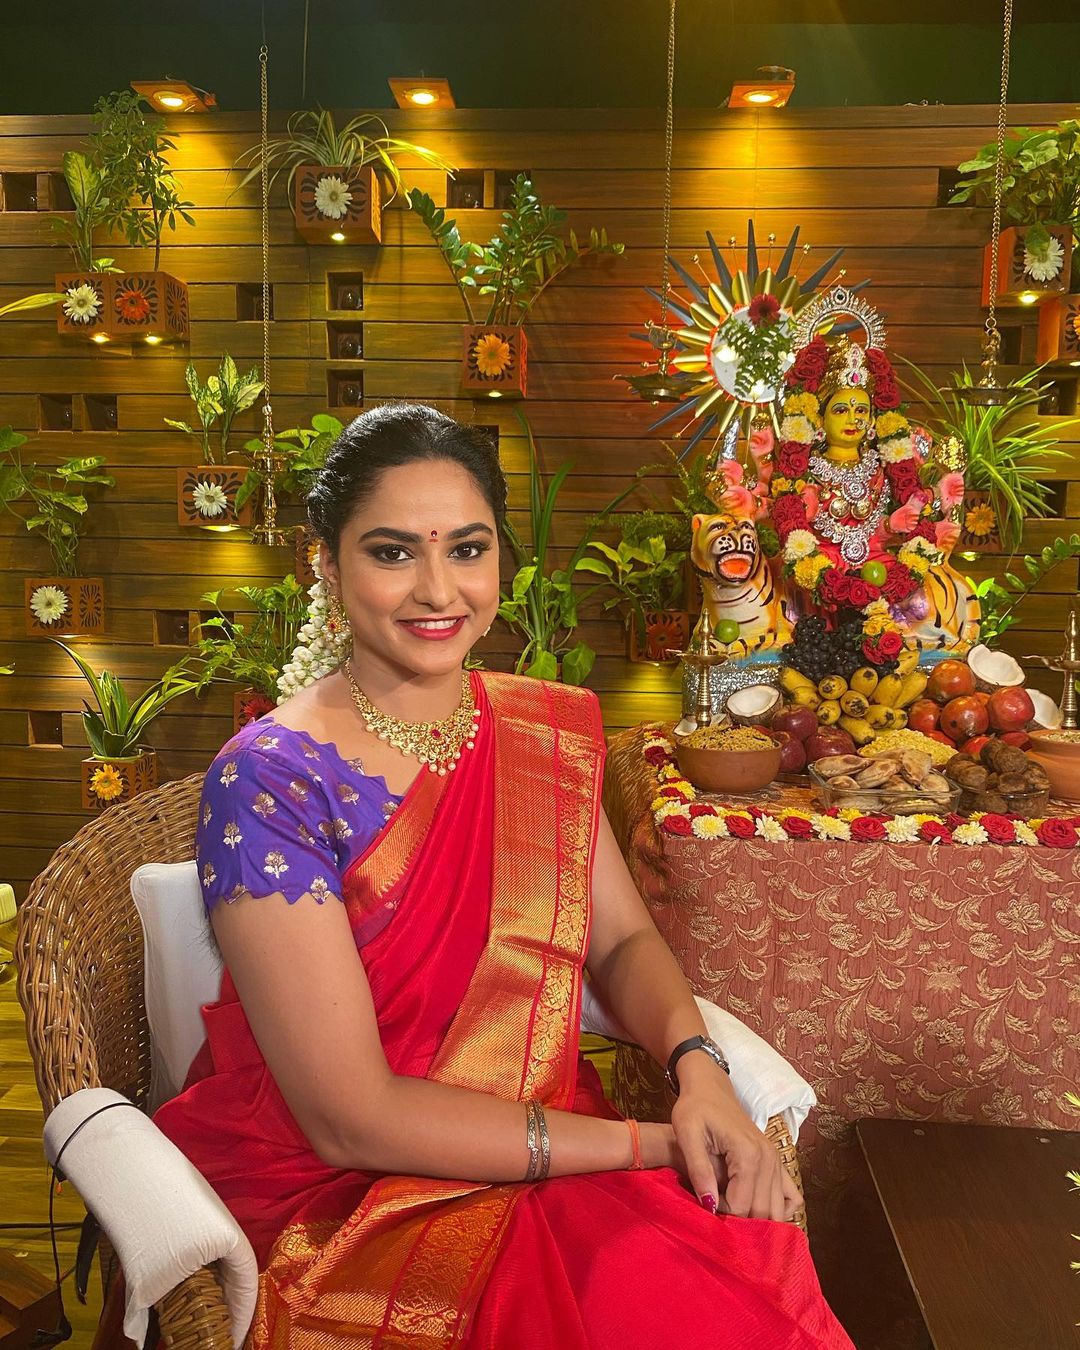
865	704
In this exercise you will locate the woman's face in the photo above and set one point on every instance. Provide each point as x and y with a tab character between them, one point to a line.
418	569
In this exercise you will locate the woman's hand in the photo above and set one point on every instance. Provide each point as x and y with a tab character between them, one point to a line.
731	1165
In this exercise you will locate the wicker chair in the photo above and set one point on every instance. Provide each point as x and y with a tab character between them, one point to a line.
80	957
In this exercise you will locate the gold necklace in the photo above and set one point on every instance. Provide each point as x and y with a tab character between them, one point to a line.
436	744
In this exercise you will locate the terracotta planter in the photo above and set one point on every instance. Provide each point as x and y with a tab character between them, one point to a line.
83	606
206	497
360	221
494	360
665	630
1014	280
1059	331
248	706
973	513
96	327
128	778
305	546
147	306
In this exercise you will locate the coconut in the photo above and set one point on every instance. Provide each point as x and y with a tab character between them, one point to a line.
994	670
1047	712
755	705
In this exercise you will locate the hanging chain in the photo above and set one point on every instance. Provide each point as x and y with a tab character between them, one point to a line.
669	136
993	336
266	528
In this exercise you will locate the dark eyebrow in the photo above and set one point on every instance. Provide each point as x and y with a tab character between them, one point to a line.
404	537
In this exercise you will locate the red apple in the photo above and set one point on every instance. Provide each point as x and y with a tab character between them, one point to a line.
949	680
1011	709
1018	738
962	718
828	741
801	722
792	750
975	745
923	715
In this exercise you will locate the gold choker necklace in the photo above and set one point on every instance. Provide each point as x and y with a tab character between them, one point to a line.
436	744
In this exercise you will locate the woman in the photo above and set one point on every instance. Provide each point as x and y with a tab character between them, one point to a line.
382	1076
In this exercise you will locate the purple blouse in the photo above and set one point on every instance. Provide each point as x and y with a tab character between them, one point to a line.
281	811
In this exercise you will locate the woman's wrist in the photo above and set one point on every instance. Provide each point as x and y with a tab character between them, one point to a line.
697	1071
658	1148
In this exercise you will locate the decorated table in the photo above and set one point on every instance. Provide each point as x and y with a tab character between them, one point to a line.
921	968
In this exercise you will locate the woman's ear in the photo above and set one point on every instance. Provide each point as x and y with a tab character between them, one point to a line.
328	569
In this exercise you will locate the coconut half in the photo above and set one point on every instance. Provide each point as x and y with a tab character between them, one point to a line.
994	670
755	705
1047	712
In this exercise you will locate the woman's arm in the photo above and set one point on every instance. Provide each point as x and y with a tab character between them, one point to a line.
729	1161
307	999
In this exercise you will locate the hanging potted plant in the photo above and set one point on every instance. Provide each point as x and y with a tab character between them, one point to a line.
63	602
512	271
1004	461
647	582
206	494
1041	203
120	765
253	652
338	181
86	291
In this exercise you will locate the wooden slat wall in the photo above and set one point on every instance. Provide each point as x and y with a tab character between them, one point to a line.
865	179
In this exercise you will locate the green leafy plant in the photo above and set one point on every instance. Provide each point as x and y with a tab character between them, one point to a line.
518	263
217	402
1003	458
58	508
302	451
644	576
89	190
128	149
254	651
312	137
543	605
999	598
37	301
114	729
1041	182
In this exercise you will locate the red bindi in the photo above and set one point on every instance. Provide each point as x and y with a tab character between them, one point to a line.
434	534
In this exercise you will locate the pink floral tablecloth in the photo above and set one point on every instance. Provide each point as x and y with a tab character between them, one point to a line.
910	981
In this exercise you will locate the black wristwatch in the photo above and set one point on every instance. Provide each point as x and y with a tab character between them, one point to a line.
705	1043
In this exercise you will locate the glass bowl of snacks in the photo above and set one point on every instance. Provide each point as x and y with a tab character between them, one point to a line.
1002	780
729	759
895	775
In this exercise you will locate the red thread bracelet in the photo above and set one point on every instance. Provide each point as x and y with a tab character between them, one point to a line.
636	1164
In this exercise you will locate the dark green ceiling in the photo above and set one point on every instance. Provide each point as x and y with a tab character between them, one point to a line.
537	53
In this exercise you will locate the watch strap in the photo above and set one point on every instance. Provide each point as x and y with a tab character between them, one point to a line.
705	1043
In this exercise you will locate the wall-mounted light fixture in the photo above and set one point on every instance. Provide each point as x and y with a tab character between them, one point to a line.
772	88
173	96
420	91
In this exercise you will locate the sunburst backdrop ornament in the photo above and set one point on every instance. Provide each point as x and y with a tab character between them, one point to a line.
737	339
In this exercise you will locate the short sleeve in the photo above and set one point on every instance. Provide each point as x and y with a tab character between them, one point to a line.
265	826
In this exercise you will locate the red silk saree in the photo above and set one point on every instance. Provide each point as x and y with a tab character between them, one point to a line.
470	911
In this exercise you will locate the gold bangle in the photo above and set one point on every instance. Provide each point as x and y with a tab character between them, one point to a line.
530	1139
545	1142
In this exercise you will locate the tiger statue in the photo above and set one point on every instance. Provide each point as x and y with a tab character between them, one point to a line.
737	580
943	614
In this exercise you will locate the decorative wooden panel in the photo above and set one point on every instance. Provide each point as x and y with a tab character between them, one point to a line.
864	179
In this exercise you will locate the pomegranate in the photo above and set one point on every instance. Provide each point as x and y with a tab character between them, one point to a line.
940	736
923	715
1018	738
962	718
801	722
1011	709
828	741
949	680
975	745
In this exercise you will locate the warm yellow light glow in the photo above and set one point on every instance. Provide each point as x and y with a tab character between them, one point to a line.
168	100
421	91
969	557
100	337
221	529
338	237
151	339
1074	363
423	98
760	96
494	393
1028	297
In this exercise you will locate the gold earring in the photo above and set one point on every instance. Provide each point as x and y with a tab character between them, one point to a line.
487	630
338	622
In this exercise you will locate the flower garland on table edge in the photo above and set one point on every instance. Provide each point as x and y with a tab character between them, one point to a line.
677	811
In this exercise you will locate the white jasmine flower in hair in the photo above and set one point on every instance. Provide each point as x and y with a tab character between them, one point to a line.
800	544
1044	264
82	303
332	197
48	604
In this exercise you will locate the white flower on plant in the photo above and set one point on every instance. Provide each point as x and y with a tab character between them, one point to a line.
82	303
895	449
800	544
209	499
1044	264
48	604
332	197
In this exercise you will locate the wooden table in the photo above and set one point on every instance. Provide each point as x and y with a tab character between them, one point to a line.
983	1217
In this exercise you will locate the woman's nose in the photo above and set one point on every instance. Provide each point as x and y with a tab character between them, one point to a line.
435	583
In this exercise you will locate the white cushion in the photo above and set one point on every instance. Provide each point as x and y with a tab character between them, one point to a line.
161	1215
182	970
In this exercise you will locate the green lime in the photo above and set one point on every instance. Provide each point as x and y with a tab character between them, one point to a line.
727	630
874	574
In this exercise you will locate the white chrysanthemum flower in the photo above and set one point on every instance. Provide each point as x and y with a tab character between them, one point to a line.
895	449
902	830
48	604
81	303
829	827
971	832
800	544
209	499
709	827
1046	264
1025	834
796	427
332	197
771	829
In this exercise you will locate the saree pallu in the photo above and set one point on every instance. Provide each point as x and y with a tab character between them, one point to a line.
470	912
